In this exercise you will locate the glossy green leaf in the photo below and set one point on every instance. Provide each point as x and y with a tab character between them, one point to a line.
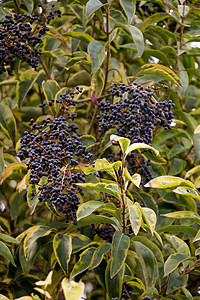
114	285
7	122
27	264
96	52
177	166
197	252
137	146
192	171
184	215
173	261
27	80
135	216
5	252
72	289
82	36
178	228
124	142
34	233
88	140
87	208
129	7
99	254
197	237
155	18
62	246
151	245
176	281
137	37
161	71
120	246
84	262
10	169
135	179
149	201
164	182
149	217
50	89
8	239
112	189
79	242
92	6
184	190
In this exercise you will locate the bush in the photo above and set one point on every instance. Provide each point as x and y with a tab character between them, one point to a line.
100	149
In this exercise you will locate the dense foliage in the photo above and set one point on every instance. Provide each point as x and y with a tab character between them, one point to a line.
99	149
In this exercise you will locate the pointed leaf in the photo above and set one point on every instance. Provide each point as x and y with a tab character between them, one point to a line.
197	237
10	169
149	218
98	254
114	285
27	80
129	7
120	246
87	208
32	200
5	252
97	54
173	262
92	6
137	37
135	216
7	122
164	182
84	262
184	215
137	146
124	142
62	245
184	190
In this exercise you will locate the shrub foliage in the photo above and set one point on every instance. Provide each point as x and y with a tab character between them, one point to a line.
99	149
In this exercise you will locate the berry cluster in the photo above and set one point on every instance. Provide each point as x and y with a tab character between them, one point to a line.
105	233
53	153
19	36
134	113
126	293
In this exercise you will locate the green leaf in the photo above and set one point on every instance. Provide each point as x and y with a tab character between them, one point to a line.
135	216
79	78
177	166
29	4
149	201
176	281
72	289
27	80
149	217
184	215
82	36
92	6
129	7
173	262
84	262
27	264
114	285
97	54
197	252
197	237
98	254
135	179
79	242
164	182
184	190
32	200
155	18
112	189
34	233
87	208
151	245
8	239
120	246
7	122
124	142
2	163
178	228
10	169
137	37
62	246
137	146
5	252
50	89
161	71
87	140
